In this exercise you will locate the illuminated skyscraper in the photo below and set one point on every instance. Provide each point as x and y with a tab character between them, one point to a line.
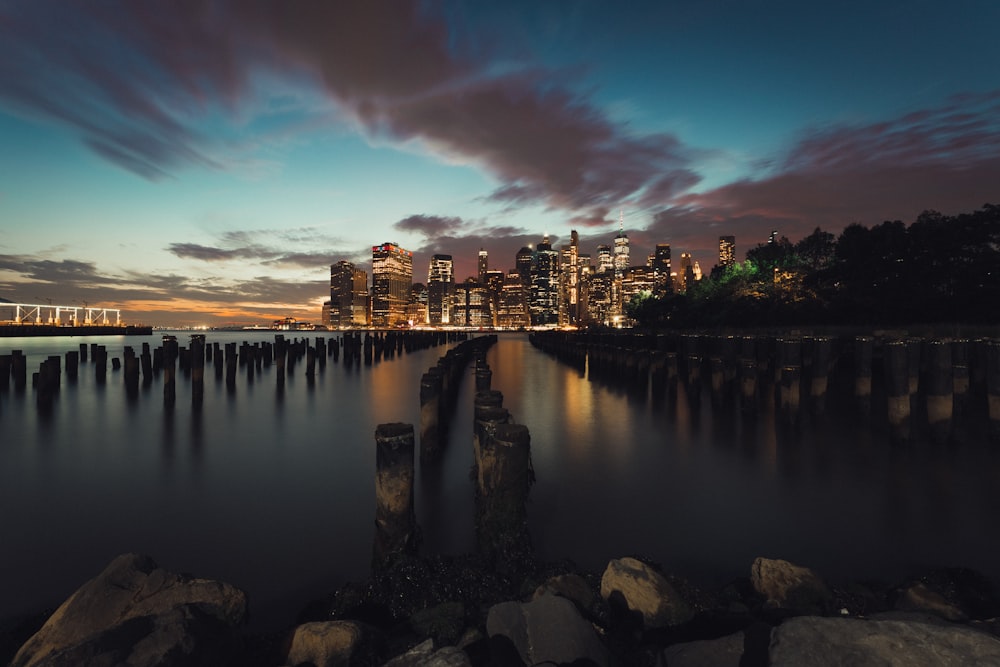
621	257
727	250
604	261
392	277
348	295
472	305
484	265
544	304
661	270
512	311
440	290
569	282
524	262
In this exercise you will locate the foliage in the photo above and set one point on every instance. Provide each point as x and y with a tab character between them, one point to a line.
939	269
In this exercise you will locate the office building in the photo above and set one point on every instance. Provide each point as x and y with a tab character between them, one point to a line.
348	296
727	251
544	302
440	290
662	284
392	277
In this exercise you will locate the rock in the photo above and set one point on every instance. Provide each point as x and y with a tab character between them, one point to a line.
722	652
573	587
443	623
788	586
325	644
918	597
645	591
424	655
139	614
822	642
547	629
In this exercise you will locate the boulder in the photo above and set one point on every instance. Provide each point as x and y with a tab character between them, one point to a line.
573	587
443	623
547	629
645	591
919	597
788	586
722	652
138	614
424	655
822	642
325	643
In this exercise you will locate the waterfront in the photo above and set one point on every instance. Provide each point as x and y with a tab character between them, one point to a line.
275	493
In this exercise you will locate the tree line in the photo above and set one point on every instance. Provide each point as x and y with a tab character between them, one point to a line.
938	269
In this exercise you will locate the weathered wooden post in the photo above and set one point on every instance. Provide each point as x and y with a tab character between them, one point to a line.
506	478
169	372
897	389
83	352
940	390
863	346
198	350
5	360
19	368
821	353
484	377
488	412
993	387
131	375
748	387
395	518
790	392
430	415
310	362
100	356
72	366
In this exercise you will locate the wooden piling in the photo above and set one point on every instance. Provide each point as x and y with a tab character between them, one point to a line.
198	350
748	386
790	392
863	347
430	416
819	373
83	352
100	356
507	476
897	389
940	390
395	518
169	372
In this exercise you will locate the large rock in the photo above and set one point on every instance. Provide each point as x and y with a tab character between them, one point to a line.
722	652
325	644
424	655
136	613
571	586
788	586
919	597
645	591
823	642
547	629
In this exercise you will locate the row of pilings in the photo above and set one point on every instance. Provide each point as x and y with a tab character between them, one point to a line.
936	385
228	361
439	392
502	471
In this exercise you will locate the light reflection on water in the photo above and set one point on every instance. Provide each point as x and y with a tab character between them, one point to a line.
274	492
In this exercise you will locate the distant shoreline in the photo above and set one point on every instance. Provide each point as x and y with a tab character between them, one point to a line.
36	330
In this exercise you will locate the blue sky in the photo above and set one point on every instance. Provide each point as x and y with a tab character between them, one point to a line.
205	162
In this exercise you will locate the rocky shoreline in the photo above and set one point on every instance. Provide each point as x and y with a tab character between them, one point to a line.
474	610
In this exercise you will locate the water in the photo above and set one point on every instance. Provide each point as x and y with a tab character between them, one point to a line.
275	493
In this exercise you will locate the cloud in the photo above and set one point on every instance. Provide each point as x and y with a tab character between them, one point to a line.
429	225
946	158
134	80
271	247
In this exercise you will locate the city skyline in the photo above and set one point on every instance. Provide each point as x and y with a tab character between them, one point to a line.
207	163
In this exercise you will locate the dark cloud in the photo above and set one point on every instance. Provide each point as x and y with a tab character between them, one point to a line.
946	159
134	78
430	225
65	271
272	247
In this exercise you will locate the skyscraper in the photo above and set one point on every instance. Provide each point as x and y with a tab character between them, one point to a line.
484	265
569	282
661	270
392	277
604	260
348	295
544	303
524	262
440	290
621	256
727	250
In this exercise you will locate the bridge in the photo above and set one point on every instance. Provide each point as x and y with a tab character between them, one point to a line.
33	313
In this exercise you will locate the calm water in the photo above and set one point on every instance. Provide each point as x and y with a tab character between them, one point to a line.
275	494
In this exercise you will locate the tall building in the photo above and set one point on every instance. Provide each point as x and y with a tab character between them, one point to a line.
661	270
440	290
727	250
416	309
494	286
472	305
484	265
524	263
392	277
621	253
604	260
685	273
512	311
569	282
348	296
544	302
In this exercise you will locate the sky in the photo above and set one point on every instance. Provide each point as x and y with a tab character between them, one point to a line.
203	163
